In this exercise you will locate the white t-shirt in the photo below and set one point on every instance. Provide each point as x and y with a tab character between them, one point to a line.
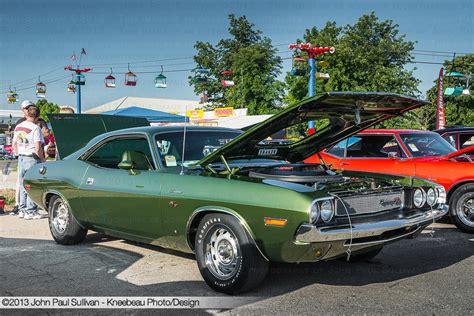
25	136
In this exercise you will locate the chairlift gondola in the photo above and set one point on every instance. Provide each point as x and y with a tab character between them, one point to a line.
458	88
130	78
201	74
79	79
40	89
71	86
110	80
160	80
299	66
226	82
12	96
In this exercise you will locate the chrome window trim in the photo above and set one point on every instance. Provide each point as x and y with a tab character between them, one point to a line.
86	155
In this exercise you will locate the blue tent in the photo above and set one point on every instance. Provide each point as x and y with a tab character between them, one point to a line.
151	115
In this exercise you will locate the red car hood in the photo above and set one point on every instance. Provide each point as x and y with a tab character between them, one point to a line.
466	151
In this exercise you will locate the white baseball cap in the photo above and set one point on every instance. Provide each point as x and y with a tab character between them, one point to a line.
26	104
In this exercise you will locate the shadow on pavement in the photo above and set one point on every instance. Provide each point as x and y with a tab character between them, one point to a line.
34	267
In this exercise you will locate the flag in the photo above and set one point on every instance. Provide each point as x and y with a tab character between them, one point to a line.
73	56
440	117
83	52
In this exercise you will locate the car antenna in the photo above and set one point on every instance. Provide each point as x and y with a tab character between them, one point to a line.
184	142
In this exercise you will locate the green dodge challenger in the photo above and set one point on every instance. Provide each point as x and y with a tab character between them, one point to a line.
236	200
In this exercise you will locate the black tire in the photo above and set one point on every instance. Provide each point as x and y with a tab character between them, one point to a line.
461	205
70	232
247	268
362	257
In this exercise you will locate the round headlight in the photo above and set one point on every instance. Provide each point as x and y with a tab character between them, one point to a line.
327	210
431	197
314	213
419	197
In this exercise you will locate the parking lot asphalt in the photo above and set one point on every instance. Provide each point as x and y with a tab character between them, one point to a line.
426	275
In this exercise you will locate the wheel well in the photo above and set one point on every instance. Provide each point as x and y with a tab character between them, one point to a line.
47	198
192	228
457	186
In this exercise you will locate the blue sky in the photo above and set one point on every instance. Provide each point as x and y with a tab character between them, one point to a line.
39	36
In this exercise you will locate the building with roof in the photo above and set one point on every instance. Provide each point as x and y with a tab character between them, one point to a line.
164	105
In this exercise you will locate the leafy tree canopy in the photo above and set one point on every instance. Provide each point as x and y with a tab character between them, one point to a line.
254	63
46	108
370	56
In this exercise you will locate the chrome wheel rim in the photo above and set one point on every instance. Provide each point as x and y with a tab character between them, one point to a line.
465	209
60	216
222	253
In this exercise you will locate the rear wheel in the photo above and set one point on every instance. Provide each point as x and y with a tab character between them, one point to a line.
226	255
462	208
62	224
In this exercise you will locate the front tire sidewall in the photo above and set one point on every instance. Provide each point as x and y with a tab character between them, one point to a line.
458	197
250	269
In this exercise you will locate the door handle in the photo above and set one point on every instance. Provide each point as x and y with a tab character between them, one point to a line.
344	164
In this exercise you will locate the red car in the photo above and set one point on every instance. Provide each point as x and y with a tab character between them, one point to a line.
415	153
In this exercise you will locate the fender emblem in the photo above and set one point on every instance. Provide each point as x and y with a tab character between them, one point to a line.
173	204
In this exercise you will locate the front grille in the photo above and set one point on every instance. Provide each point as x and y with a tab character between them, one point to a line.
369	203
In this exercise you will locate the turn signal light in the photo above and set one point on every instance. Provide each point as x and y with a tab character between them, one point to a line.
279	222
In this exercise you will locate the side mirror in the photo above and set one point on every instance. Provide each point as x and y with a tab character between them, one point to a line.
393	155
127	165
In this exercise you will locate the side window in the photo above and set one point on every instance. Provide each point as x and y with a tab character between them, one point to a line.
110	154
338	149
373	146
466	140
450	138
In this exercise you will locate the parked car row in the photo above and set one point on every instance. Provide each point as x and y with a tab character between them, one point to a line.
238	200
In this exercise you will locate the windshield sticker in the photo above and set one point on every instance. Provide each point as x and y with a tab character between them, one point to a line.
413	147
170	161
267	152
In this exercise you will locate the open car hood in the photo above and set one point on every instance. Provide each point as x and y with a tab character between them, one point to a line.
74	131
465	151
347	113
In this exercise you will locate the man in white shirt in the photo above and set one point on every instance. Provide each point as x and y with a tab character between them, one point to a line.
27	143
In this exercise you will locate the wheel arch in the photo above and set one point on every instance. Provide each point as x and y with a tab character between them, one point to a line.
47	197
456	186
199	213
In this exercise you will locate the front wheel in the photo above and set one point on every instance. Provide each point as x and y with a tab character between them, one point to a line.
62	224
227	257
462	208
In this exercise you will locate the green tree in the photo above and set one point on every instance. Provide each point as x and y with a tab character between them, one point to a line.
46	108
459	110
370	56
254	63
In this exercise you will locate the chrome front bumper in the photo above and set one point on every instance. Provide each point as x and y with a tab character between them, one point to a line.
308	233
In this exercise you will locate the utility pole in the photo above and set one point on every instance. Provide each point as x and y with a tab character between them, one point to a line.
312	53
79	80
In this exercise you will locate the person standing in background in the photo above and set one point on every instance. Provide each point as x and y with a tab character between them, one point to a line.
27	143
24	108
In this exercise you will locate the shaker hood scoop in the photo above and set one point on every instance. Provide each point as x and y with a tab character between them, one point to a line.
346	114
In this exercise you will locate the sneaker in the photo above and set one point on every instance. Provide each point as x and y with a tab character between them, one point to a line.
15	210
21	214
37	216
33	215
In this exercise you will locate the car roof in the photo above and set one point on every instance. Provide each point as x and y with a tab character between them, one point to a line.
455	129
392	131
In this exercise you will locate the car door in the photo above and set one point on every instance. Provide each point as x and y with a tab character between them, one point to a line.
123	201
380	153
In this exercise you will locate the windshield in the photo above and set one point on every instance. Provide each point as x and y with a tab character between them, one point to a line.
198	145
422	145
